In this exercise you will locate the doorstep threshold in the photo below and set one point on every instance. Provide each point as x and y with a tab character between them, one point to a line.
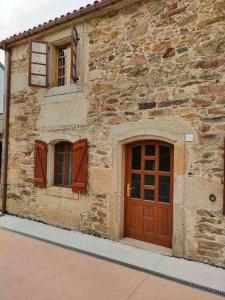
146	246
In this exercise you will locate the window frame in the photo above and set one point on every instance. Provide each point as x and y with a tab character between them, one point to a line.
66	176
67	76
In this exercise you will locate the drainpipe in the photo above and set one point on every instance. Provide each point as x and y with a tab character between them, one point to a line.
6	128
224	178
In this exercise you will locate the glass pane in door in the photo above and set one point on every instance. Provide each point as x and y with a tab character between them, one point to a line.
164	158
150	150
164	189
149	165
149	195
136	186
136	158
149	179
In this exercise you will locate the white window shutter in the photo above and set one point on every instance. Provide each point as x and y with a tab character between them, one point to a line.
38	65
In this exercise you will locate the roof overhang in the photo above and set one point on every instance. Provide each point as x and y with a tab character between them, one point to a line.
96	6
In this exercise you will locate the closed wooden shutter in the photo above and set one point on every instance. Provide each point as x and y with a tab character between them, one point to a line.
38	64
80	166
40	169
74	41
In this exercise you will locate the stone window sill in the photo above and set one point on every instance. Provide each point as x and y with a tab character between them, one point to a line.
61	192
63	90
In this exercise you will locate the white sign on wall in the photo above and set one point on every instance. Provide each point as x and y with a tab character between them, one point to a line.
189	137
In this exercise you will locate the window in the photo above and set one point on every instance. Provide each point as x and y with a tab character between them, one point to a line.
63	164
63	65
70	167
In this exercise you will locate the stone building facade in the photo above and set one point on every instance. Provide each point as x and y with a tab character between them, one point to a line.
148	71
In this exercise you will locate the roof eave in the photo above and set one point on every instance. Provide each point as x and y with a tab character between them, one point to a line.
97	5
2	46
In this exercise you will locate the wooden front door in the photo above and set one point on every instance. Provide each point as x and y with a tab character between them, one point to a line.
149	192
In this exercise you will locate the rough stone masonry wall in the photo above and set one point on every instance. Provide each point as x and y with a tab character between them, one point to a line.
89	214
24	111
150	60
160	58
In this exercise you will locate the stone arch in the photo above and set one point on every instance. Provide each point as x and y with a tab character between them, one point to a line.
163	130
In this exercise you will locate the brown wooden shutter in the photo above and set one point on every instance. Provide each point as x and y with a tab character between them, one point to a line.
74	41
80	166
40	169
38	64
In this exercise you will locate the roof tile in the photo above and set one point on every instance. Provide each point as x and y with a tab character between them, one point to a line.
63	19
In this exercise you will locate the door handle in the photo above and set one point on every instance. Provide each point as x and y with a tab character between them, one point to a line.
128	190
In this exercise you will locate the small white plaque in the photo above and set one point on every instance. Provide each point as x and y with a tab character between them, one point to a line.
189	137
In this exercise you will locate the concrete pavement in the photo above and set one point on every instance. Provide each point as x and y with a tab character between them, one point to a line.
158	264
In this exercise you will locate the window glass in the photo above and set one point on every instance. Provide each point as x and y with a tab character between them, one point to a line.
150	150
63	164
149	165
60	163
63	72
149	179
164	189
149	195
70	164
136	186
136	158
164	158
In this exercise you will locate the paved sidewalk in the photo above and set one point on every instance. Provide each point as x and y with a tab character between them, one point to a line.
34	270
181	269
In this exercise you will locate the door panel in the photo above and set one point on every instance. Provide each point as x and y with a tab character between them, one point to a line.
163	221
149	226
149	211
135	216
149	192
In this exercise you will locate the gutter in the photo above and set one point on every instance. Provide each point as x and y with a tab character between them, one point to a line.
6	129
